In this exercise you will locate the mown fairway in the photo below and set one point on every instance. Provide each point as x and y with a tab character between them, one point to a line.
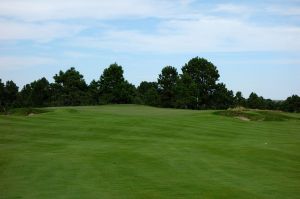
128	151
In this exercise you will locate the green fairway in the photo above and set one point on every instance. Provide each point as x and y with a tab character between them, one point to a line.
130	151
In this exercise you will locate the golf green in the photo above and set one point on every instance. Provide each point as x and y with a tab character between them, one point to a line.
131	151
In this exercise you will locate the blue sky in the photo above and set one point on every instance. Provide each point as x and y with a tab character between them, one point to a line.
254	44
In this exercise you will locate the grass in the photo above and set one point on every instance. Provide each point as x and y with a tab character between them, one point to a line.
129	151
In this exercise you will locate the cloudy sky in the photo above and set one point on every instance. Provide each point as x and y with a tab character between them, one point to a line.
255	44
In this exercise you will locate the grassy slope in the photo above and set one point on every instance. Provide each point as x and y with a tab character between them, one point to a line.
127	151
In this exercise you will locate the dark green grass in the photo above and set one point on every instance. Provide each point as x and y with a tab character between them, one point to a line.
128	151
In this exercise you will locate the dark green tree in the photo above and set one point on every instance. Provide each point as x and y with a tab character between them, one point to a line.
40	94
114	88
9	96
195	88
255	102
148	93
204	75
222	98
2	102
167	82
94	92
56	94
185	90
270	104
239	100
25	99
291	104
69	88
128	93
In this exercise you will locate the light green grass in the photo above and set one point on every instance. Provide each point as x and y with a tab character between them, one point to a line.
129	151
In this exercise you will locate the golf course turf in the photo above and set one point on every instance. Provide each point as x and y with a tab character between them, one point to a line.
132	151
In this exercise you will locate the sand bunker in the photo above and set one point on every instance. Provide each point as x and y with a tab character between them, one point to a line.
243	118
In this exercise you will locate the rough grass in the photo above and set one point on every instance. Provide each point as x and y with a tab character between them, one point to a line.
128	151
26	111
257	115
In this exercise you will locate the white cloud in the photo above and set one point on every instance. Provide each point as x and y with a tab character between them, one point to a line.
233	9
44	21
181	28
18	62
206	34
76	54
14	30
33	10
284	10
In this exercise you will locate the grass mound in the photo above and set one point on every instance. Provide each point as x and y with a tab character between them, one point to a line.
255	115
27	111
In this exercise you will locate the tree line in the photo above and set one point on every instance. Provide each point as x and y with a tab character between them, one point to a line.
197	87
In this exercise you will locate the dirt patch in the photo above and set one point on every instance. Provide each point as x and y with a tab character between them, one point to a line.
30	114
243	118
